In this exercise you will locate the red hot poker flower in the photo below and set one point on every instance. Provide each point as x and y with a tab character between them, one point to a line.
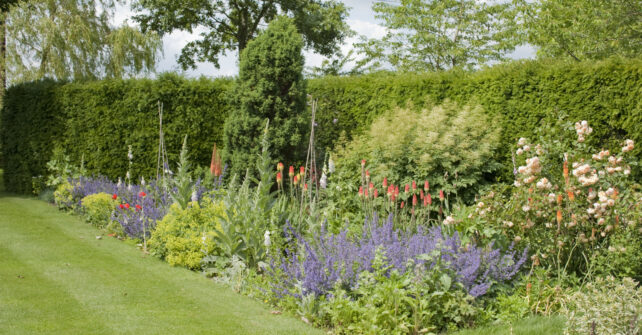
279	177
302	171
402	204
429	197
376	193
407	188
360	191
385	182
426	186
291	173
414	200
441	195
279	167
425	201
363	163
414	185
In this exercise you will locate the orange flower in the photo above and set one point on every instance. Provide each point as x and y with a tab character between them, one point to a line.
571	195
559	216
559	199
376	193
279	167
360	191
385	182
566	180
291	172
279	177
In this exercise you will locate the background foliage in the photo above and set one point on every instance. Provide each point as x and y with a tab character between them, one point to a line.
103	117
98	120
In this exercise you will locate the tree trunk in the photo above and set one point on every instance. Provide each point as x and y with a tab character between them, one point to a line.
3	55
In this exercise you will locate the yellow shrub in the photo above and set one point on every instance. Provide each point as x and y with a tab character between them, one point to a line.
97	209
63	196
185	236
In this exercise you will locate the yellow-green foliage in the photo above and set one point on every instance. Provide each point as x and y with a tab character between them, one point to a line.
608	306
446	144
184	236
63	197
97	208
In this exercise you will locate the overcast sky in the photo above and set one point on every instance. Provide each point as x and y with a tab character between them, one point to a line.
361	19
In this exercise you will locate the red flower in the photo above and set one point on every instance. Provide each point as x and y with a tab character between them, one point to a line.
363	163
279	166
367	175
291	173
402	204
426	201
279	177
302	171
414	185
385	182
421	194
121	206
127	206
305	187
426	186
376	193
391	190
441	195
115	196
414	200
396	190
365	192
360	191
371	186
138	207
296	179
429	199
142	194
407	188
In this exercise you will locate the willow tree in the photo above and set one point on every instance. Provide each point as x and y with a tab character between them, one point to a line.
73	39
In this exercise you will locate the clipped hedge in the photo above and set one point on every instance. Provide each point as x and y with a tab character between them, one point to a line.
524	94
98	120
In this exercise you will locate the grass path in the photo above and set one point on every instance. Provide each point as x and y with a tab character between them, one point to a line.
57	278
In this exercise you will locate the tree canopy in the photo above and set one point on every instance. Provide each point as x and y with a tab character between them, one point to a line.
225	25
583	29
73	39
432	35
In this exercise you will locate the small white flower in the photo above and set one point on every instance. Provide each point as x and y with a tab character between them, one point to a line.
526	208
449	221
127	175
323	182
519	152
266	239
194	196
527	148
142	181
521	141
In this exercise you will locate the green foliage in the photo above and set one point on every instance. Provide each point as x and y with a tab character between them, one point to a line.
569	201
60	168
438	35
524	93
250	214
180	186
98	120
63	196
450	145
185	235
622	258
232	24
97	209
418	302
583	29
270	86
605	306
71	39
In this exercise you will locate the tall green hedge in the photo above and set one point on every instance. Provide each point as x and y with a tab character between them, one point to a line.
526	94
98	120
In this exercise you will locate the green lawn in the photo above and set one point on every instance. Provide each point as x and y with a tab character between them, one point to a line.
530	326
57	278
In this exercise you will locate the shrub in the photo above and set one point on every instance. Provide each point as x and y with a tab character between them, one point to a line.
63	196
606	306
184	236
97	208
332	259
450	145
270	86
567	201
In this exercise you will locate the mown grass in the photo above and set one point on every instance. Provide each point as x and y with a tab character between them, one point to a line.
57	278
529	326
